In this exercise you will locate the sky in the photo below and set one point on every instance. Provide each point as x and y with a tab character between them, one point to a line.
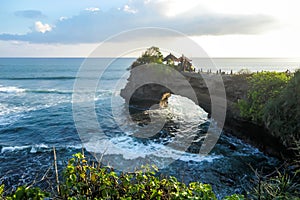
223	28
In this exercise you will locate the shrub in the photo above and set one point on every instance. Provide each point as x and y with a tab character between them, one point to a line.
263	87
151	55
284	185
25	193
1	191
234	197
282	114
87	181
83	181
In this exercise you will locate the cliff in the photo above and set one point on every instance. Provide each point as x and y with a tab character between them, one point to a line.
142	93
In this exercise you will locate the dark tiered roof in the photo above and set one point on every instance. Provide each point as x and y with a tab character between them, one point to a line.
183	58
171	57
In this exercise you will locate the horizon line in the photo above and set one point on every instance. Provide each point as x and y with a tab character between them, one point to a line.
83	57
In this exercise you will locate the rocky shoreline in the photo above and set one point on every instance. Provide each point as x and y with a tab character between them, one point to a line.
236	87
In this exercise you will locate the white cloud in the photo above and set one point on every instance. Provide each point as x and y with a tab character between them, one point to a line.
15	42
92	9
193	20
272	44
128	9
42	28
174	8
62	18
225	28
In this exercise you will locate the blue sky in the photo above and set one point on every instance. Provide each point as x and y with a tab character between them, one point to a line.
231	28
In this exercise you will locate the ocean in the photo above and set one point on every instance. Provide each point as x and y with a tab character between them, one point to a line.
36	115
254	64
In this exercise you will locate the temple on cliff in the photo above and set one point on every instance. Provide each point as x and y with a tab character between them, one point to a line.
182	64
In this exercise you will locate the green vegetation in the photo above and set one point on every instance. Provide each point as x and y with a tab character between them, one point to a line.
282	114
273	100
263	87
82	180
234	197
87	181
151	55
24	193
283	185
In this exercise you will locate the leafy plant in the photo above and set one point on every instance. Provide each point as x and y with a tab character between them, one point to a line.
83	181
263	87
281	186
89	181
1	191
234	197
151	55
25	193
282	114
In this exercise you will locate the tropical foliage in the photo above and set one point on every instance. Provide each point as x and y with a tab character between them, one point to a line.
89	181
84	181
263	87
282	114
273	100
151	55
284	185
24	193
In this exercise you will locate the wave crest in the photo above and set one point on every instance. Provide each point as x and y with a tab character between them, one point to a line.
40	78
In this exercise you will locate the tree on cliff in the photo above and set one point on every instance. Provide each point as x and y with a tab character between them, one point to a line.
151	55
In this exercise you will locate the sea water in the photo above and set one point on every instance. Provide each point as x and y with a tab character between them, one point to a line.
36	115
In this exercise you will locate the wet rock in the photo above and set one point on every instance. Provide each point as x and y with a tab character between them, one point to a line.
236	88
164	100
232	147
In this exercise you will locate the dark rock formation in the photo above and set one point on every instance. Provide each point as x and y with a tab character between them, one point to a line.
149	94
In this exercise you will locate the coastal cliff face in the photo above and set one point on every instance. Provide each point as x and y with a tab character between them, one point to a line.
236	86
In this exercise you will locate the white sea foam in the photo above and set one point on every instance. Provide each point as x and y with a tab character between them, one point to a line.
11	89
6	109
246	149
33	150
14	148
131	149
186	109
101	94
38	148
10	113
181	110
